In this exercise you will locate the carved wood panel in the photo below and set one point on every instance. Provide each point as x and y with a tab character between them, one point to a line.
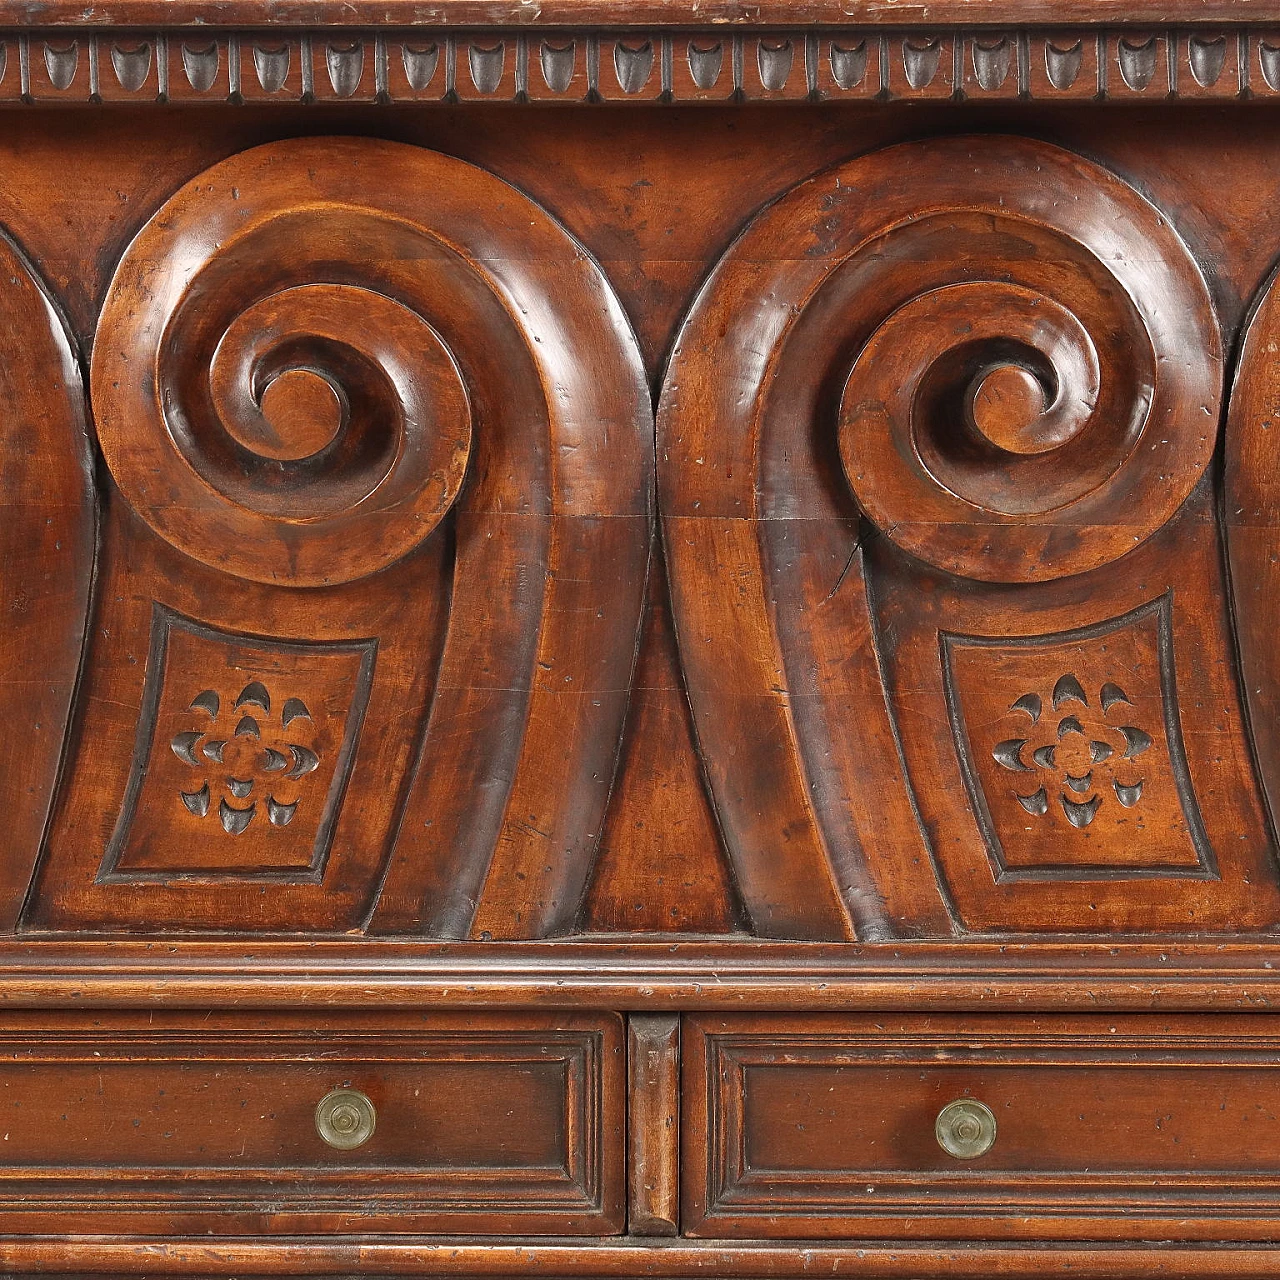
1008	370
373	571
379	450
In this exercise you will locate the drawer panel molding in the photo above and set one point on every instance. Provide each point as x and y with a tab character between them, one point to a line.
1100	1128
182	1123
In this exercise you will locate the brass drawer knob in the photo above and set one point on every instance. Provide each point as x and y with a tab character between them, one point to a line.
966	1129
345	1119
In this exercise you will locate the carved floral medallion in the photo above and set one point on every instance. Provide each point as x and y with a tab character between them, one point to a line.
1071	750
258	765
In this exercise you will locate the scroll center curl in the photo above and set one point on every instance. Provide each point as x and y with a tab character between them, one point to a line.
302	413
1005	404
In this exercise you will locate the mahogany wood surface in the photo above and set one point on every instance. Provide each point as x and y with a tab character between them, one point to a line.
625	604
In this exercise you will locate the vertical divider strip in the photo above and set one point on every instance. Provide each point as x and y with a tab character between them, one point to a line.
653	1124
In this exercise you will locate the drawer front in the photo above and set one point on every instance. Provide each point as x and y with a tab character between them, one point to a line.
480	1124
1089	1127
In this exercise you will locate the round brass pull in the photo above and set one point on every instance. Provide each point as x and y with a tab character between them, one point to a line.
345	1119
966	1129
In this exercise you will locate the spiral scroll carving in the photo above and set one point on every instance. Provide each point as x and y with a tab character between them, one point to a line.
993	350
272	392
1038	380
395	423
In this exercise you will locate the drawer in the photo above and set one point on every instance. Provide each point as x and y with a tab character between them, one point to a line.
1137	1127
208	1123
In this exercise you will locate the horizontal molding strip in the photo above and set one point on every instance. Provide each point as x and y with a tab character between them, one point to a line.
654	976
664	1260
424	64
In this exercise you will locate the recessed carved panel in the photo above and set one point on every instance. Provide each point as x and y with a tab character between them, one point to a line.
239	779
1080	775
137	843
1096	774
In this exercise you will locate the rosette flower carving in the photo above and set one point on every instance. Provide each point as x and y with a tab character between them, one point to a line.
250	762
1066	750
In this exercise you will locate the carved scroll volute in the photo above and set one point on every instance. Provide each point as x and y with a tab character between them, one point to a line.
1006	361
1251	514
46	558
310	357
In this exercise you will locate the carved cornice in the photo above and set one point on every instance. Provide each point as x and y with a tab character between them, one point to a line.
427	64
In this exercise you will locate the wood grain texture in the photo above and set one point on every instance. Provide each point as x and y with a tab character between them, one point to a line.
668	1259
47	543
481	655
900	301
653	1124
207	1123
660	868
653	976
1107	1128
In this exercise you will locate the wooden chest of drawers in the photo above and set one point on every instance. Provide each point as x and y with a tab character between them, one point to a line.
639	640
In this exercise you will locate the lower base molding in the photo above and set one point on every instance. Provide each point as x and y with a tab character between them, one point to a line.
103	1256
